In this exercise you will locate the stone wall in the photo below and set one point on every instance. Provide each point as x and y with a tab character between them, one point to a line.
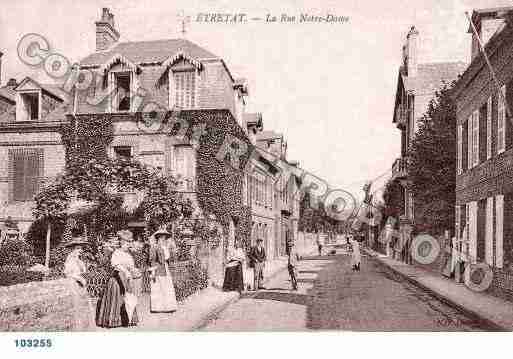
57	305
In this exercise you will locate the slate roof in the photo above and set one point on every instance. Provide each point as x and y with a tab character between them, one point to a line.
149	51
431	75
268	135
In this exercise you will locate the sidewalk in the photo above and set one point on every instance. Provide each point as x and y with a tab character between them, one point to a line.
196	310
495	312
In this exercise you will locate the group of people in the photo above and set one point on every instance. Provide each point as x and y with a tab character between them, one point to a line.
353	245
236	260
117	306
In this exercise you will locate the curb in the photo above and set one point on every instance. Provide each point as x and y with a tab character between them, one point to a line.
488	323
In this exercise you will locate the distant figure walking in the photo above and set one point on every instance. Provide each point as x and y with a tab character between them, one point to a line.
258	257
355	256
320	243
293	259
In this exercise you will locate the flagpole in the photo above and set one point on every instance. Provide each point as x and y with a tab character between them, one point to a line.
481	47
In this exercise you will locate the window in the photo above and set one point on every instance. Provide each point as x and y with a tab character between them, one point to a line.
123	152
185	89
26	168
184	166
460	149
30	105
501	121
122	85
475	138
489	128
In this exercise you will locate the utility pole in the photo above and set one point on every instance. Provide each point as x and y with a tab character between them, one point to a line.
183	20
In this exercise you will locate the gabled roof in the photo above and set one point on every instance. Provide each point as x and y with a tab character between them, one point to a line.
52	89
477	14
156	51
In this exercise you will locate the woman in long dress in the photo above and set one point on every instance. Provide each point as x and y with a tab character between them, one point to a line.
162	296
117	307
233	275
355	256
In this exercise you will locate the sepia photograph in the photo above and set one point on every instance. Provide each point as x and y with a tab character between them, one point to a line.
299	167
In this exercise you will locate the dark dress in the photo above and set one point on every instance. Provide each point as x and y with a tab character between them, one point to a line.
233	277
110	310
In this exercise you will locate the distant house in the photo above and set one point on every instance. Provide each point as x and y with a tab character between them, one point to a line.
417	83
484	180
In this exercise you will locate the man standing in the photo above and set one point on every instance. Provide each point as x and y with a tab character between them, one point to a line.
292	266
258	258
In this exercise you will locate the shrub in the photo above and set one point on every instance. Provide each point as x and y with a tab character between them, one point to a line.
195	280
13	274
16	252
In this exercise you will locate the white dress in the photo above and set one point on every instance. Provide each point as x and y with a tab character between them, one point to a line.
355	256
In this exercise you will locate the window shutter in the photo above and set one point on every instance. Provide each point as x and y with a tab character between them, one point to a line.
489	128
499	231
26	170
168	157
460	149
501	123
18	176
473	231
475	139
457	222
489	231
469	144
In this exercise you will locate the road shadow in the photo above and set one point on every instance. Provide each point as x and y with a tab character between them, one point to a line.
293	298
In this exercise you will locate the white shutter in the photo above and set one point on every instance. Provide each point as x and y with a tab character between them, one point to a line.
460	149
475	138
489	231
499	231
501	123
473	232
469	144
489	128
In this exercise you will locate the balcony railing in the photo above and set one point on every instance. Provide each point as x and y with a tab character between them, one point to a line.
400	168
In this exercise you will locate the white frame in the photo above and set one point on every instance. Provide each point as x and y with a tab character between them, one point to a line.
489	128
501	120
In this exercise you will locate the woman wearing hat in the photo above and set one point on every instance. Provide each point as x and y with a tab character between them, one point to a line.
117	307
233	275
74	267
162	297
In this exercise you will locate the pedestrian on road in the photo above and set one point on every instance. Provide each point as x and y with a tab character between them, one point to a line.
233	275
258	257
117	307
355	256
293	259
320	243
162	292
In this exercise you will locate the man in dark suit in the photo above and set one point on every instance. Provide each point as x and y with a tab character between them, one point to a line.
258	257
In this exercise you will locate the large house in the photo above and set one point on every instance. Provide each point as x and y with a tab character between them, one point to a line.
417	83
128	78
484	179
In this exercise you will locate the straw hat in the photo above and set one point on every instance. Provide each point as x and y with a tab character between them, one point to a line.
162	232
125	235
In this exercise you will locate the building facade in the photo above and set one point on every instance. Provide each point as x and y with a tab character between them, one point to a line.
417	83
484	179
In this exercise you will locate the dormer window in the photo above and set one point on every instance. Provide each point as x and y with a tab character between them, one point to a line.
121	96
30	103
185	89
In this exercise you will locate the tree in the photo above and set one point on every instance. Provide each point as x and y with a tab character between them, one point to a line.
432	166
393	201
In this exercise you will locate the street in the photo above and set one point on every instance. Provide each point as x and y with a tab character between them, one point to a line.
331	296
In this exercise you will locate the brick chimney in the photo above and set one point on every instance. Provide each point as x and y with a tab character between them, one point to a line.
106	33
12	83
410	52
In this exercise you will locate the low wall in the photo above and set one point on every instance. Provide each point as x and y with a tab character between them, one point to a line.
56	305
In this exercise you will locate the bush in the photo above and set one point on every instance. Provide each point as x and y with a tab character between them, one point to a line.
12	274
195	280
16	252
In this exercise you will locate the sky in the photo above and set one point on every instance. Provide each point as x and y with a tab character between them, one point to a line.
329	88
